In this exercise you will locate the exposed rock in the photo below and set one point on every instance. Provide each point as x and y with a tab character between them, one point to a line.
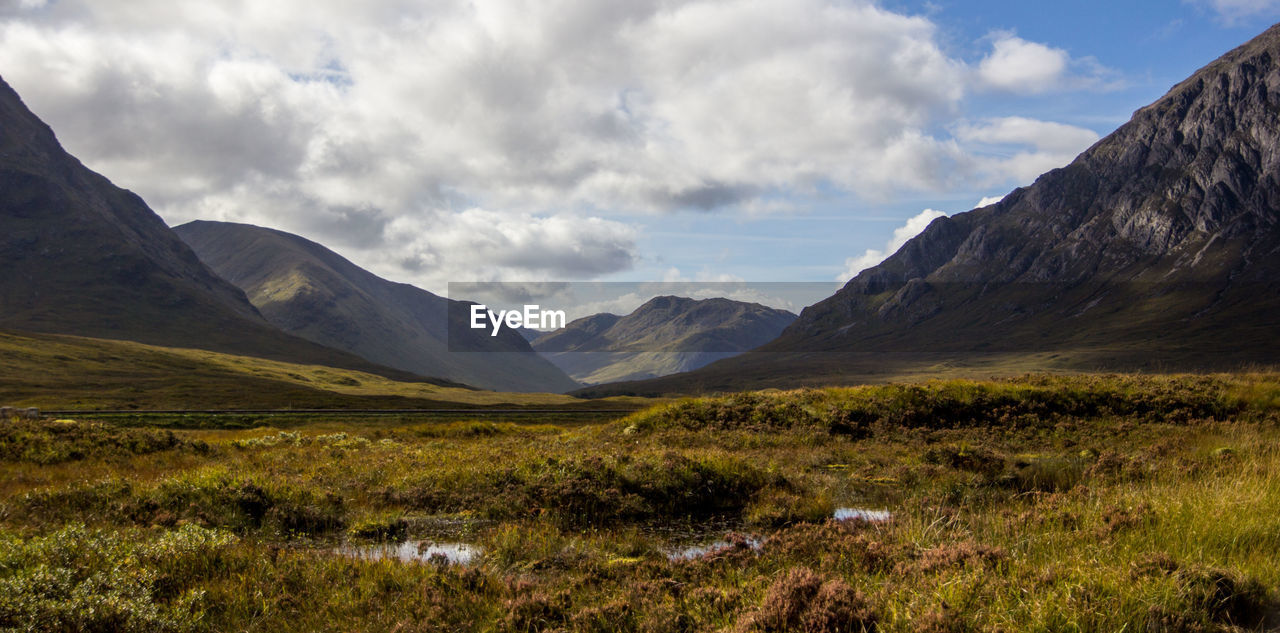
1180	204
1156	249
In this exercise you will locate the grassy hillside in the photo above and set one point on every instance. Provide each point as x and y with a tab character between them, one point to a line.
1081	503
70	372
794	370
310	291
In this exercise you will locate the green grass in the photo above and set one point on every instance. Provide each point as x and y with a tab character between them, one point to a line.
70	372
1084	503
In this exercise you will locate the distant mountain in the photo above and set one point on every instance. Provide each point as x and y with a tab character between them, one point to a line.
1158	248
308	290
529	334
666	335
79	255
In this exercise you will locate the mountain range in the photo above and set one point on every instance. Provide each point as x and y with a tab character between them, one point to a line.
1156	249
308	290
665	335
82	256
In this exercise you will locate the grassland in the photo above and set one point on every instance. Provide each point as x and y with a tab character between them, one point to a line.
71	372
1078	503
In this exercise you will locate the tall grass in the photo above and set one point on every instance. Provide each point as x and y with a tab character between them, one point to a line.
1038	504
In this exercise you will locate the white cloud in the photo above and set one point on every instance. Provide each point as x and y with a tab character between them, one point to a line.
1232	10
901	236
1023	67
492	123
988	200
484	245
1043	135
1017	65
1022	148
621	305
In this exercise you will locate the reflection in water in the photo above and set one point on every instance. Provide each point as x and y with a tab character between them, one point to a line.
413	551
688	552
703	546
870	516
686	540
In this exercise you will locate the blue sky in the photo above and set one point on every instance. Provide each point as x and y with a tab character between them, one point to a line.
1148	46
678	140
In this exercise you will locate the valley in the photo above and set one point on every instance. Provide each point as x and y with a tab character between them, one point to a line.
1058	410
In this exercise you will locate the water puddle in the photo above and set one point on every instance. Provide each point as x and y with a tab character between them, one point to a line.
413	551
730	540
863	514
686	540
690	552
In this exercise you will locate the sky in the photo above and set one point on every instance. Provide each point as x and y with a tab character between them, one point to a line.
572	140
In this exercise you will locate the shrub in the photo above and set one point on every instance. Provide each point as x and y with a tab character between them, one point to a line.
77	579
56	441
1030	400
947	556
536	612
804	601
784	507
593	490
1045	474
218	499
967	458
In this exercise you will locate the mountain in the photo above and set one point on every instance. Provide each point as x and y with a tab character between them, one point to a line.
666	335
1158	248
310	291
529	334
82	256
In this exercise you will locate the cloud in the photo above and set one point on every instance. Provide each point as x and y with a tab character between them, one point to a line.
1017	65
1022	67
1231	11
901	236
1022	148
494	125
651	105
621	305
484	245
1043	135
988	200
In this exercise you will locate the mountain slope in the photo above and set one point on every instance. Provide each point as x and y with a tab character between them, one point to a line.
666	335
58	371
308	290
82	256
1157	248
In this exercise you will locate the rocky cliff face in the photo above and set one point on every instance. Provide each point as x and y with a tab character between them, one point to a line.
1167	226
1156	249
82	256
310	291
